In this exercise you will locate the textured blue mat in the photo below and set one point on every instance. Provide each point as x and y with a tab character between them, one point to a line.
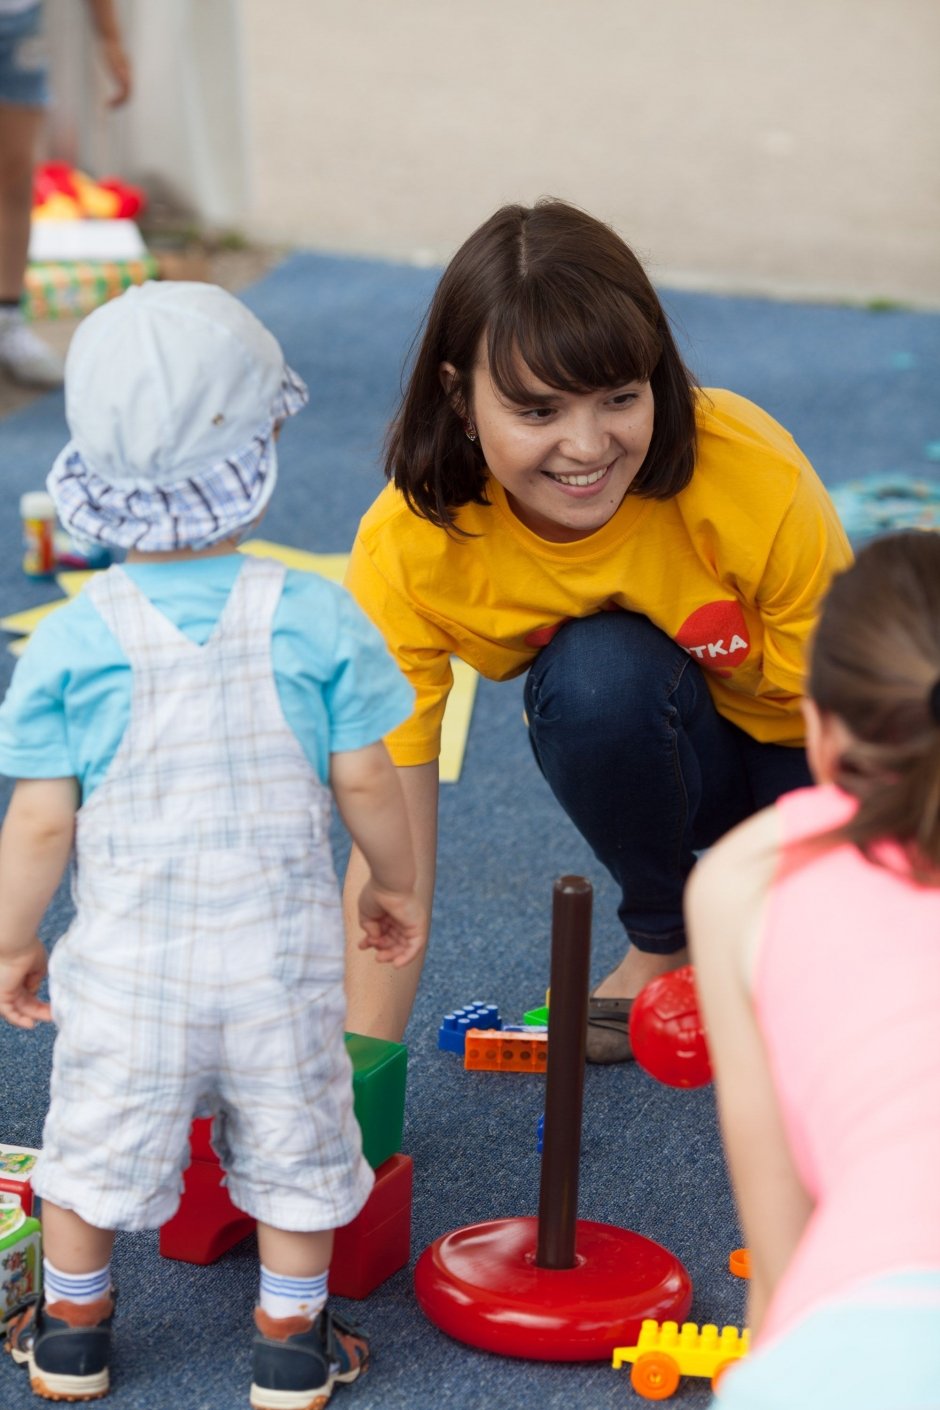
858	390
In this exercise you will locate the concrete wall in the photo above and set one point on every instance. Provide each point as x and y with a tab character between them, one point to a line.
789	148
737	144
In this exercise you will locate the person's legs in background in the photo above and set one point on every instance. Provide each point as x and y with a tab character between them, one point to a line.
23	96
624	729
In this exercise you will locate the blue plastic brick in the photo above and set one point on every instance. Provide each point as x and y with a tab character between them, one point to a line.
453	1031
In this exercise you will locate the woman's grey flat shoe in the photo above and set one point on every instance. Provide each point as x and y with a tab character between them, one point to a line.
608	1032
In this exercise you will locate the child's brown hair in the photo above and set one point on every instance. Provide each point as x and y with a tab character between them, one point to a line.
875	662
561	290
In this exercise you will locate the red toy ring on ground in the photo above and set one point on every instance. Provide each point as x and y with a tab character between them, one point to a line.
481	1286
666	1031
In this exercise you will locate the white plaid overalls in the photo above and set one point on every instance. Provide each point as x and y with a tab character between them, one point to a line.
204	968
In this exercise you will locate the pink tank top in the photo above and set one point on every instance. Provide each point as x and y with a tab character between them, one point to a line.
847	992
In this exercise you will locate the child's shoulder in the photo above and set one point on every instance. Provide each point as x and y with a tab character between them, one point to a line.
322	613
67	629
310	591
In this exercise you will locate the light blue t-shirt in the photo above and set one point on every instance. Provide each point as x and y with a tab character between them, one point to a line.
69	701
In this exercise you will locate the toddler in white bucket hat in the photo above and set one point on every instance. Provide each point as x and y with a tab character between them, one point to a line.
172	395
181	724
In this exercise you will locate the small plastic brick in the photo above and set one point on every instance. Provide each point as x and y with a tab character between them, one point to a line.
536	1018
16	1169
540	1134
665	1351
456	1025
505	1052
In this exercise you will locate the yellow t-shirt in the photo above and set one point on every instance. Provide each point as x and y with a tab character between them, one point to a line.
732	569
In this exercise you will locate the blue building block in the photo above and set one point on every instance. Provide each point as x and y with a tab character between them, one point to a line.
453	1031
540	1133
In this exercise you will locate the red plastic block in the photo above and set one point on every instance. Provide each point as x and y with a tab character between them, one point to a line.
505	1052
207	1223
366	1252
377	1242
16	1168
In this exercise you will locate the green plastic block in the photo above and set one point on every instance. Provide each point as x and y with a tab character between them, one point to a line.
379	1072
536	1018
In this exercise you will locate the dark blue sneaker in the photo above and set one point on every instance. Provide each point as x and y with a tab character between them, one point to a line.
66	1345
296	1362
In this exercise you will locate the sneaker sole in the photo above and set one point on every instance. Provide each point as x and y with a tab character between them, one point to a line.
265	1399
53	1387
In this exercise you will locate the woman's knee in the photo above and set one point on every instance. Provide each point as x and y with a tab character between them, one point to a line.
609	666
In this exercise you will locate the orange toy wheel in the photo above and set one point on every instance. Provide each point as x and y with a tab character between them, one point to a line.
719	1372
654	1376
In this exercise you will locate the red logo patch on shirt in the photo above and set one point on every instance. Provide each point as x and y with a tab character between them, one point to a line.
541	636
716	637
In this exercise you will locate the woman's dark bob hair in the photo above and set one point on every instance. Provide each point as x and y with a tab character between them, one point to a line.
561	290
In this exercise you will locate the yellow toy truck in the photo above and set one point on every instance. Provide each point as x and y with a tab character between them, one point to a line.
665	1351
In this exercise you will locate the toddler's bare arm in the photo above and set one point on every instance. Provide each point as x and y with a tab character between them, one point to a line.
369	796
35	845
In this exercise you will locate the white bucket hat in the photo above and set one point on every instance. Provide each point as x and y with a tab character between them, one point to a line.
172	394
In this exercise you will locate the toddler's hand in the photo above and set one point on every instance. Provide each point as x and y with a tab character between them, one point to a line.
395	925
20	977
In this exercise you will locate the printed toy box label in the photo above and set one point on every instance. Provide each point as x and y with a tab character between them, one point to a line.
20	1254
17	1163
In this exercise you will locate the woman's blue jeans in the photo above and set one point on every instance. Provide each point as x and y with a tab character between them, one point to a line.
624	729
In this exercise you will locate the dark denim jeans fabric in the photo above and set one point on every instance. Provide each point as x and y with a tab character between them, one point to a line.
624	729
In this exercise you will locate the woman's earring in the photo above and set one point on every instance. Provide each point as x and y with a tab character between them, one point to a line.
470	430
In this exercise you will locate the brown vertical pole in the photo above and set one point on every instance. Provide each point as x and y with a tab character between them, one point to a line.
564	1084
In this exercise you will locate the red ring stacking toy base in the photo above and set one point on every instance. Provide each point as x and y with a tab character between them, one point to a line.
481	1285
554	1288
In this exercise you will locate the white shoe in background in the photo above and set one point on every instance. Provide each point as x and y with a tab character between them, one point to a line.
26	358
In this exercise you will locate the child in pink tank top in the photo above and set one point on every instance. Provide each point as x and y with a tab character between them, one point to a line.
815	929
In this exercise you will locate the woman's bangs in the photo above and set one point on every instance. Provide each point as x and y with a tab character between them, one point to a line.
575	344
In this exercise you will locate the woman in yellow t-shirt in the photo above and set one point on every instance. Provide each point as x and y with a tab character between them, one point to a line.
564	500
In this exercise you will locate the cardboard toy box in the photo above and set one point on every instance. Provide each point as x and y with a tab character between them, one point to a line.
72	288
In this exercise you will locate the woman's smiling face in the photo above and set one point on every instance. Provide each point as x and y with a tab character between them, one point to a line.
565	459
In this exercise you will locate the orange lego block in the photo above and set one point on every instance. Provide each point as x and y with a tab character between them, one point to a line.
505	1052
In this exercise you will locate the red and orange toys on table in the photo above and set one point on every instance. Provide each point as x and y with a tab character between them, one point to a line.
667	1033
62	192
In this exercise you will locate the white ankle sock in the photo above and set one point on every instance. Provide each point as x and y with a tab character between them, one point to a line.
74	1287
291	1297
